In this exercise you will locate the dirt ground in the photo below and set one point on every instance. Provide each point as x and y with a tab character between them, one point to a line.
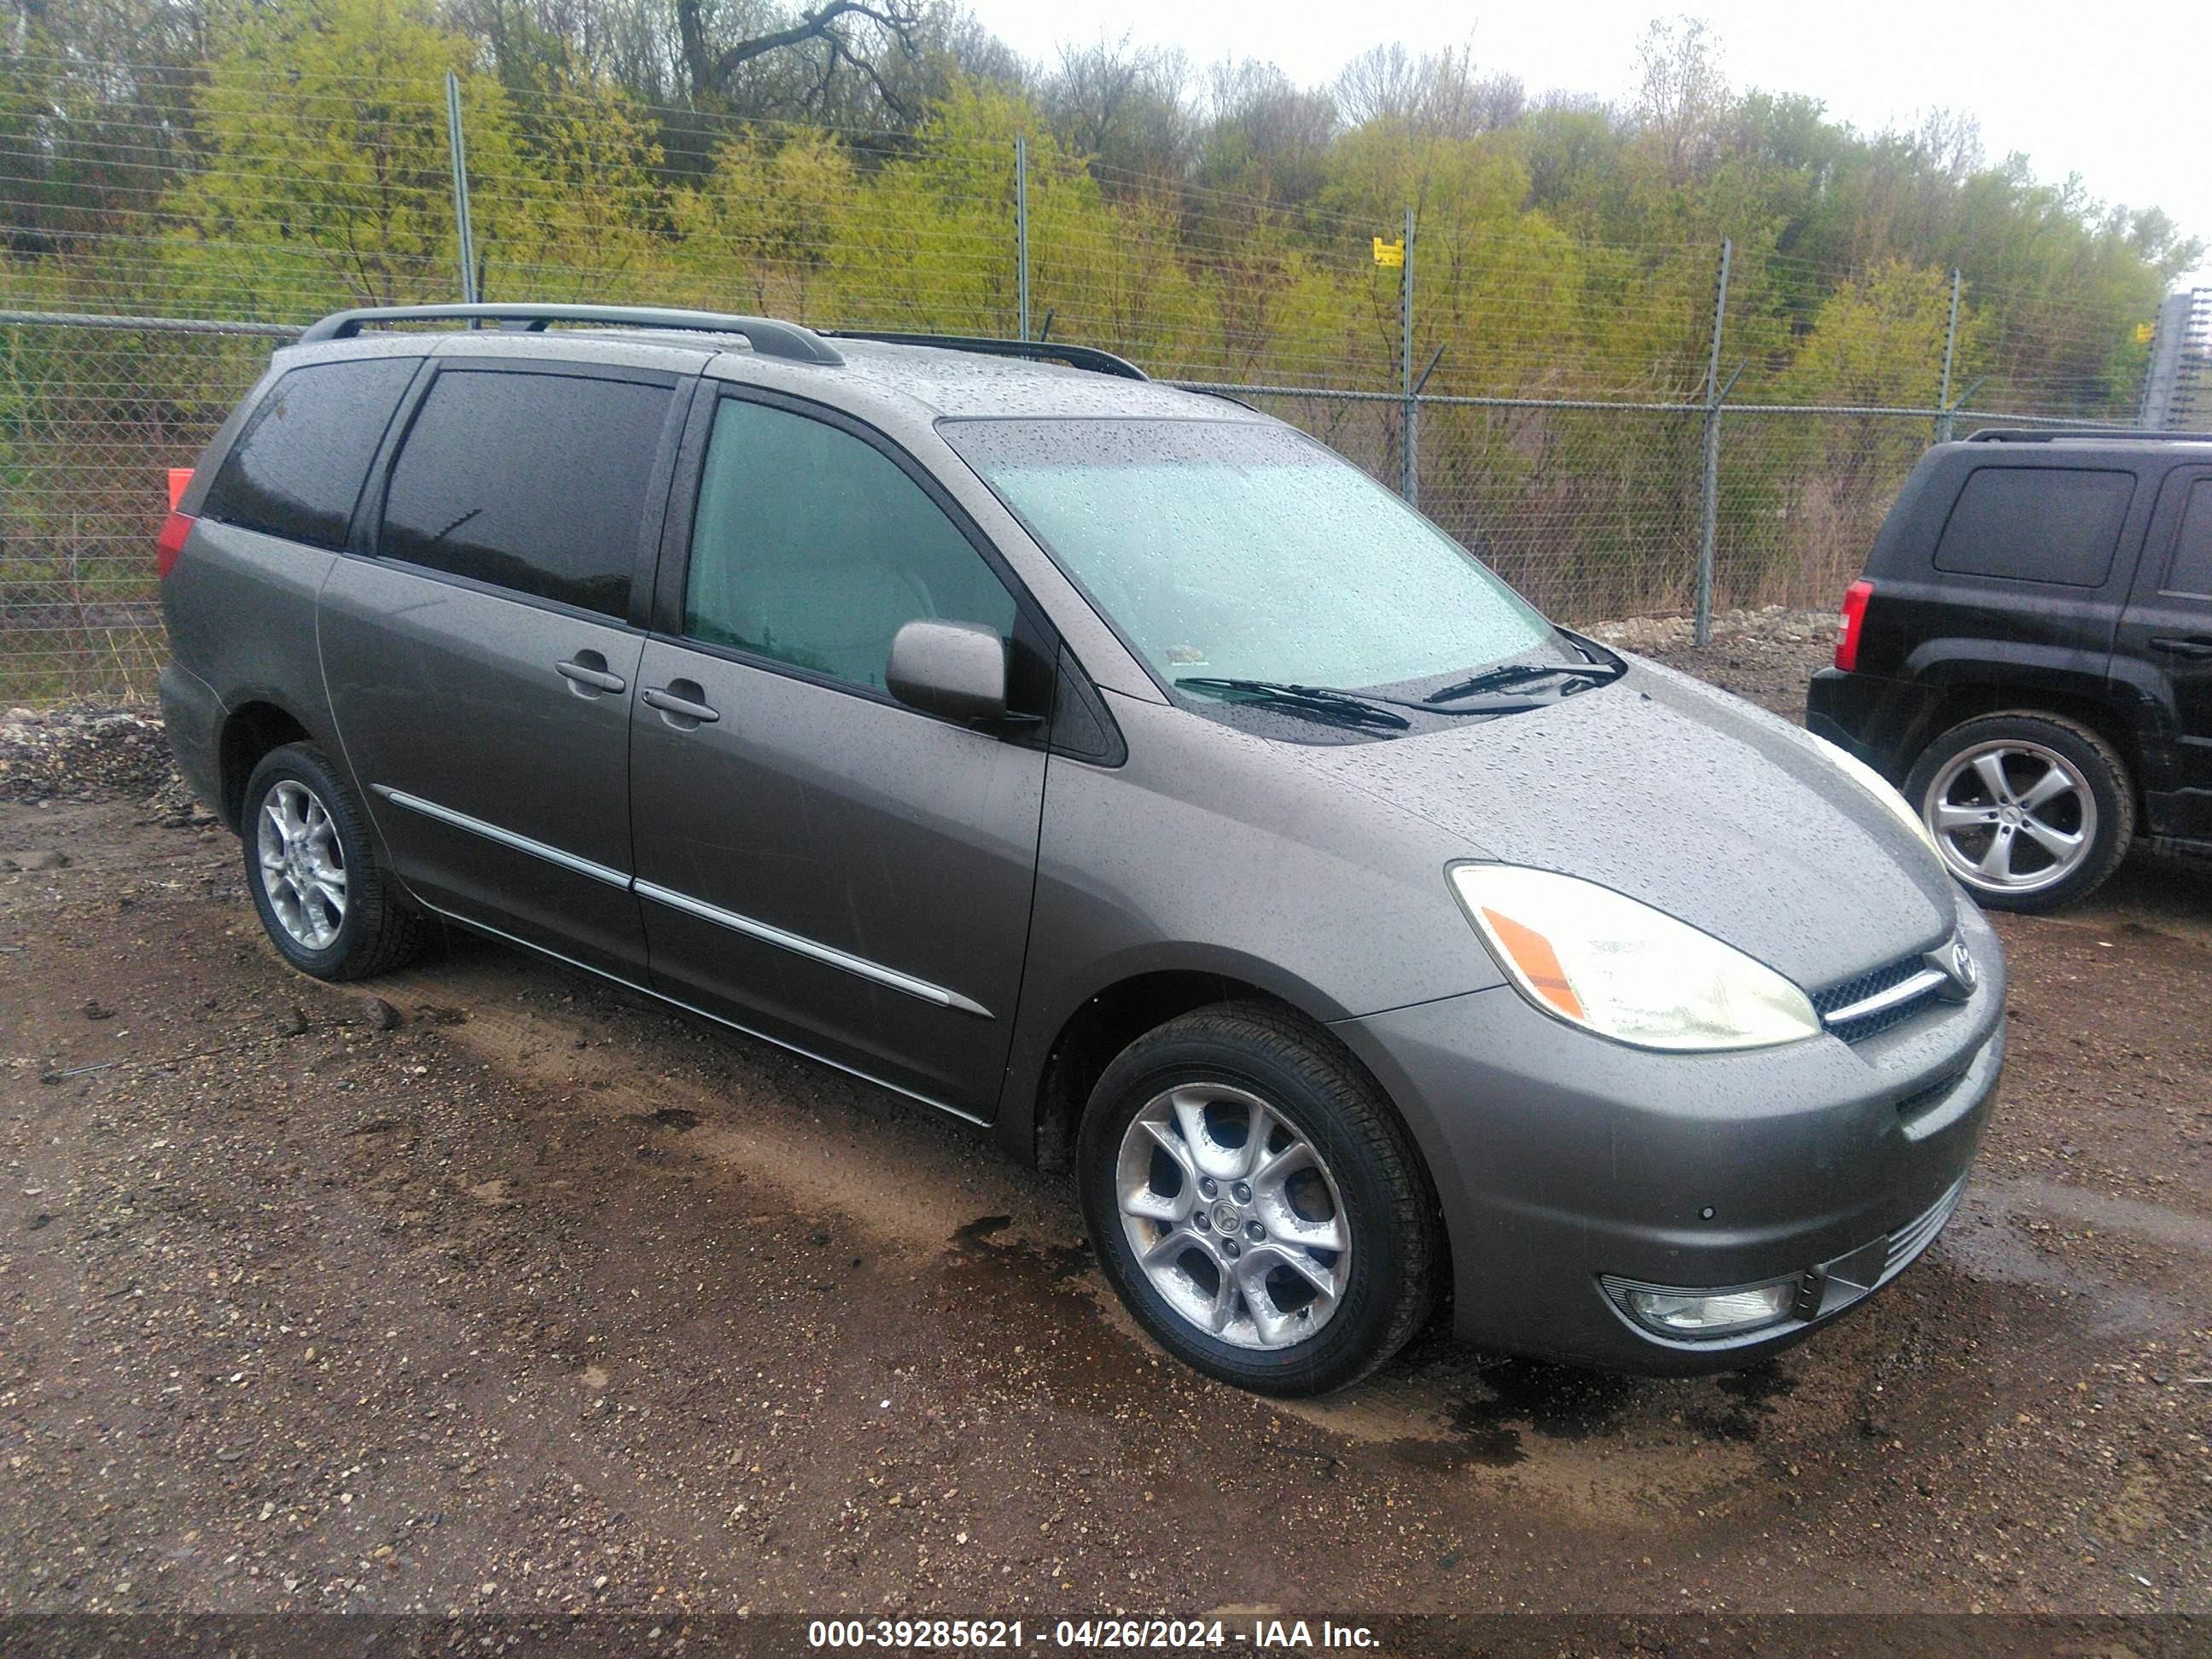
486	1287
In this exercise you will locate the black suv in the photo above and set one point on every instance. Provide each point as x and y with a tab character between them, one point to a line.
2030	650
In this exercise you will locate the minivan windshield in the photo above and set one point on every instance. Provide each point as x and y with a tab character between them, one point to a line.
1233	550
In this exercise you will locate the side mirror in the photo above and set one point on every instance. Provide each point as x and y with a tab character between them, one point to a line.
958	670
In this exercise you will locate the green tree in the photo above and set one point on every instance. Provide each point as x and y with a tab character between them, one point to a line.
327	179
762	229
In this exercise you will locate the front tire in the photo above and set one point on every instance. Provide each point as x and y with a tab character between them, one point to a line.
1256	1203
325	905
2030	812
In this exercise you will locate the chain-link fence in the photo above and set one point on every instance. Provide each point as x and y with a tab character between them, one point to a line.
1618	430
92	415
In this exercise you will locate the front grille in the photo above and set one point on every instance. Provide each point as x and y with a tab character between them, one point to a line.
1916	1235
1835	1003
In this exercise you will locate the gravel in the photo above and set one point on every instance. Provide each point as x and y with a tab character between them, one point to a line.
1766	656
93	751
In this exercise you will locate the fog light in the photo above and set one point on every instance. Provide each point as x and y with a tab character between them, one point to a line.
1706	1313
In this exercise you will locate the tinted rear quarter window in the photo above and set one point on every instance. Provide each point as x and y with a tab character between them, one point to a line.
2036	524
534	482
297	469
2191	573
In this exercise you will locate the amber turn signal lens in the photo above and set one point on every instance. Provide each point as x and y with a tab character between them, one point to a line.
1538	962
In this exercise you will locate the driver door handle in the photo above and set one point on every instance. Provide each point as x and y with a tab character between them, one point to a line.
2194	648
665	699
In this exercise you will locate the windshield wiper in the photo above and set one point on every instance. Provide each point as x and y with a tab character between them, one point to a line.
1317	702
1522	673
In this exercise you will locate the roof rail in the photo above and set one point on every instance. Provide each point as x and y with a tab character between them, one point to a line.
2021	435
767	336
1049	351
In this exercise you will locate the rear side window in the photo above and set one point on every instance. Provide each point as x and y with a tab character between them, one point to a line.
297	469
2191	570
2036	524
534	483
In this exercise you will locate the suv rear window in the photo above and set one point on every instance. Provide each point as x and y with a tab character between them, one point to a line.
2191	570
2036	524
534	483
297	469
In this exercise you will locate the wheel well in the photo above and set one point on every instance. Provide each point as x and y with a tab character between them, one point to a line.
253	730
1967	702
1105	1025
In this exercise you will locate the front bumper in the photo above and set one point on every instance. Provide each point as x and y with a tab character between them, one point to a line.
1562	1159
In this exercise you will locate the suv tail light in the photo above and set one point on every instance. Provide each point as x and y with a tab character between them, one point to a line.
1855	604
171	543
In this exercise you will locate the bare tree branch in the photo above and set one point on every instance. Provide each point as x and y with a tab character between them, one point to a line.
711	68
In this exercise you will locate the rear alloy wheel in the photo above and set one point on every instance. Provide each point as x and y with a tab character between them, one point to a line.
325	903
1257	1203
302	864
2030	812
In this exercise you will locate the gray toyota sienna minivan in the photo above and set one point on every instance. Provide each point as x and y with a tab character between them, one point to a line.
1109	767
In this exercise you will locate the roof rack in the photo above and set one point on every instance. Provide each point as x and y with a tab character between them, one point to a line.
2021	435
767	336
1049	351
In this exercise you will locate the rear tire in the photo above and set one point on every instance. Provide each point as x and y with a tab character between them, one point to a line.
327	908
2030	811
1333	1248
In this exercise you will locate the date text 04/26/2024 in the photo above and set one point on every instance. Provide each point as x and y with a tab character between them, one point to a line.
1103	1635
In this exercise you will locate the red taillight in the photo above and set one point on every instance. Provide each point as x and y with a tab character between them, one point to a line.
1855	604
171	543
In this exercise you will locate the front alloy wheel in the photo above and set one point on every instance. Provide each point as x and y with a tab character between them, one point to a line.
1234	1217
1256	1202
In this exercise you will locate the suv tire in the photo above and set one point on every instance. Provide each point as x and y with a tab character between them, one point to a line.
1162	1160
2035	780
327	908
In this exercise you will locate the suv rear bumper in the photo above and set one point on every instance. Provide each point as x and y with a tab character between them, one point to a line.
1883	722
1563	1161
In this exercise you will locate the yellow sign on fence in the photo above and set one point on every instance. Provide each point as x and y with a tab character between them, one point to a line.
1389	253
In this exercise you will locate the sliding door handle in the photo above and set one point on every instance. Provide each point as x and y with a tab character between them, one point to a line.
588	669
672	701
2195	648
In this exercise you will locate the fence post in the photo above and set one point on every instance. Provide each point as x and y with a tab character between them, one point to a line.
464	231
1950	355
1709	499
1022	232
1409	460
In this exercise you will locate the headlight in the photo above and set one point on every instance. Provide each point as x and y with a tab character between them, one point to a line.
1603	961
1879	787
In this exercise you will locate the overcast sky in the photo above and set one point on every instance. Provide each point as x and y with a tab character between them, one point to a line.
2119	91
